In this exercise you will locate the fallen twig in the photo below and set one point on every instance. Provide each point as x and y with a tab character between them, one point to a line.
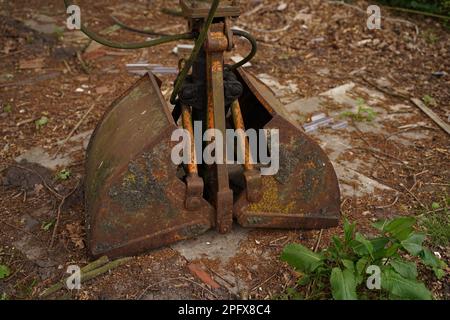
21	123
389	205
264	282
74	130
89	272
58	215
56	194
20	229
430	113
91	266
419	104
172	279
83	64
316	247
413	195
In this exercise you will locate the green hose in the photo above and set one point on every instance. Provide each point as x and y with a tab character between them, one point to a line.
136	45
252	53
200	40
198	45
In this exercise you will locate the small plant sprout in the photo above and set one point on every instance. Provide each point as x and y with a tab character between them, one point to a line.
47	225
64	174
4	271
436	222
363	113
429	100
7	108
41	122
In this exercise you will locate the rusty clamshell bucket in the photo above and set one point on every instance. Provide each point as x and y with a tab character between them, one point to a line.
138	198
135	200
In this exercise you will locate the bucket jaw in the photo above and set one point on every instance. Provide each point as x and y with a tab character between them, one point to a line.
304	193
134	199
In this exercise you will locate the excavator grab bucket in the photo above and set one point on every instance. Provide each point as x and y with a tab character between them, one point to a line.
138	198
304	193
135	201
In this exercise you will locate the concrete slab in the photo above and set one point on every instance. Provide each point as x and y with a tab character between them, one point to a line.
40	156
336	142
213	245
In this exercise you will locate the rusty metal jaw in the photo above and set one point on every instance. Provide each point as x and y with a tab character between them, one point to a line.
134	199
304	193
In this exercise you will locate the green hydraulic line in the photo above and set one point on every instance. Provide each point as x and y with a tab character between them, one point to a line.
200	40
198	45
136	45
130	28
252	53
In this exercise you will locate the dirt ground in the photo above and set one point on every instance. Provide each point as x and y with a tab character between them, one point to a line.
59	75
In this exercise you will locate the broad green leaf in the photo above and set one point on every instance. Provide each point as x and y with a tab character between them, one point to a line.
337	243
413	244
430	259
378	245
379	225
348	264
400	228
388	252
293	294
435	205
361	265
439	273
7	108
343	284
4	271
64	174
367	244
404	268
402	287
301	258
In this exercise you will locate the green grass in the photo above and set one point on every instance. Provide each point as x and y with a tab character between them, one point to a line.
363	113
436	222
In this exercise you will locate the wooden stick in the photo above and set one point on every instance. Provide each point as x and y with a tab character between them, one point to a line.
89	267
58	215
430	113
73	130
95	264
56	194
107	267
88	272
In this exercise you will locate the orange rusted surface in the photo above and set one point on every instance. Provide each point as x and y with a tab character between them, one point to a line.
187	125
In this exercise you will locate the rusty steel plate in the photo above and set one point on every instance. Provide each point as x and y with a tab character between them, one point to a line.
134	199
304	194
